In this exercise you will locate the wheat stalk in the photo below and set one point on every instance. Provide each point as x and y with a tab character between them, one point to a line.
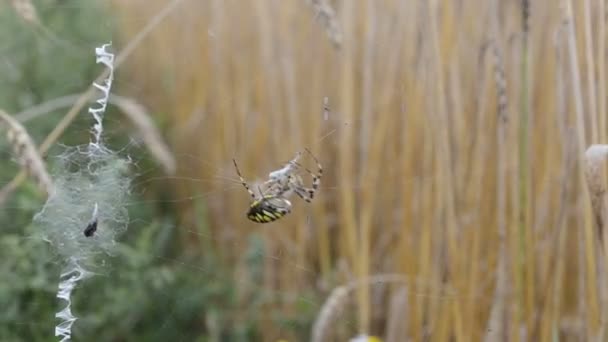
331	309
592	307
595	171
26	153
595	160
396	325
134	111
590	63
497	322
327	16
497	328
338	299
26	10
525	16
141	119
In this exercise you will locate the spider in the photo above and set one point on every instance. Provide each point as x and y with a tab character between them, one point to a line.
272	203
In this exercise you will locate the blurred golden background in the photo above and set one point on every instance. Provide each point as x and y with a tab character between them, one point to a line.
453	204
419	181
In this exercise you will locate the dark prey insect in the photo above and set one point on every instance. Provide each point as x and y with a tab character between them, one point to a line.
90	229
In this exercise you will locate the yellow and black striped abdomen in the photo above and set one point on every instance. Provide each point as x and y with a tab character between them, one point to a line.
268	209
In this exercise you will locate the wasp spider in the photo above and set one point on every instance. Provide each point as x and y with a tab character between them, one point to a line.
271	203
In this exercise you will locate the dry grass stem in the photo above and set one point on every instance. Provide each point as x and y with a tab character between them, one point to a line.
135	112
497	322
26	153
142	121
396	326
332	308
596	157
26	10
326	15
525	16
335	304
590	63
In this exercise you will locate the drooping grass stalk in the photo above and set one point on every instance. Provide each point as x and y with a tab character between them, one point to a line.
139	116
26	153
26	10
331	310
82	101
333	307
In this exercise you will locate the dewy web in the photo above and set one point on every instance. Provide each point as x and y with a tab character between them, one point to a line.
86	209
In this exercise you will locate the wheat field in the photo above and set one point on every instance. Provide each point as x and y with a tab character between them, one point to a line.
453	205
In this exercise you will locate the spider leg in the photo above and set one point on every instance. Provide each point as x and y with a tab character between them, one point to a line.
316	178
238	172
304	193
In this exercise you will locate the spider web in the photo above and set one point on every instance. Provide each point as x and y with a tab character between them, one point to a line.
155	270
168	307
106	277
